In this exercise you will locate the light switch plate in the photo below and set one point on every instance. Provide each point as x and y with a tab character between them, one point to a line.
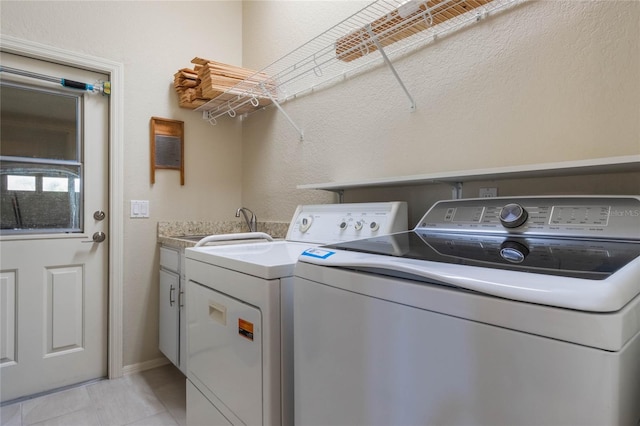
139	208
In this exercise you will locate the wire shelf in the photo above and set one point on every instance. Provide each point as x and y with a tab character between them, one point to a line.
383	30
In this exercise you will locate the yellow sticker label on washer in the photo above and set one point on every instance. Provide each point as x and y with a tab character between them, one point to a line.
245	328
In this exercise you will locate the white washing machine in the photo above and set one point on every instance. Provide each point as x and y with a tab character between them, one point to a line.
504	311
239	314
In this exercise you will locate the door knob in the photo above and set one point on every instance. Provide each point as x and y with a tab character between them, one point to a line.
97	237
99	215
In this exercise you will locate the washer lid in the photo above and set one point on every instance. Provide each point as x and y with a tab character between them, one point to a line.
270	260
576	258
605	283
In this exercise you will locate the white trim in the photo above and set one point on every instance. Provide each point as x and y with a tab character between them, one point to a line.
115	71
145	365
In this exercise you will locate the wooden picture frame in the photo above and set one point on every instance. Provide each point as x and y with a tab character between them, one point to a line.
167	146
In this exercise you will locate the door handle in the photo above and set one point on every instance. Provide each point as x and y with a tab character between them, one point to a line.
97	237
172	299
218	312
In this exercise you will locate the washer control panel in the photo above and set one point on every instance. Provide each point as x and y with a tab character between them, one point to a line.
333	223
571	216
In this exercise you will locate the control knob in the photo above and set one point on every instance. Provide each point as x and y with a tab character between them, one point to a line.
513	215
305	223
513	252
359	224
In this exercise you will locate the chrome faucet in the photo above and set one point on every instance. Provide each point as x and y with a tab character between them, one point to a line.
251	223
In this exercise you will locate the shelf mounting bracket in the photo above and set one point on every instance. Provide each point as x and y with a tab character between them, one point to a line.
456	190
277	104
372	35
340	193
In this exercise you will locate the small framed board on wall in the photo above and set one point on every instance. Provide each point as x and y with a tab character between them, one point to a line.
167	146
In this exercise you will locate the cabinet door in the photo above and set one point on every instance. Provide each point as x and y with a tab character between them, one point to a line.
169	314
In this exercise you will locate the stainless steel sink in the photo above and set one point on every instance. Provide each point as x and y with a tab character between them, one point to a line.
195	238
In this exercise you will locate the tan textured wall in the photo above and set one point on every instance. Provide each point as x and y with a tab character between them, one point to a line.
153	40
546	81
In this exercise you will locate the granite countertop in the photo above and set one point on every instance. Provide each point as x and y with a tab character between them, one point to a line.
170	233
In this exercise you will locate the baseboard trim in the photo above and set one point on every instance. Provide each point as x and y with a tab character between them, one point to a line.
142	366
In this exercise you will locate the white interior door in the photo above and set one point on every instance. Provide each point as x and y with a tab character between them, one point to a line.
53	275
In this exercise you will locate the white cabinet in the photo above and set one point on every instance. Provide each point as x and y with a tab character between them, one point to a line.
172	325
169	315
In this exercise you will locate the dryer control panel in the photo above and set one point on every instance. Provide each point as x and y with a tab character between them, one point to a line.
571	216
332	223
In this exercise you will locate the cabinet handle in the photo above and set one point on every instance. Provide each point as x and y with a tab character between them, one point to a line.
181	299
172	299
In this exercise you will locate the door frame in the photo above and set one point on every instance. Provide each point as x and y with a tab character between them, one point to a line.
115	71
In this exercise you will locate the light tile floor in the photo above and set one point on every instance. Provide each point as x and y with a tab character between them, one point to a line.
154	397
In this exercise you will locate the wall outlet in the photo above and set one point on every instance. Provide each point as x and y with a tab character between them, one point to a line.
488	192
139	208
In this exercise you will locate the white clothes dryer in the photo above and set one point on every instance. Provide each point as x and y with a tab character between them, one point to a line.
240	314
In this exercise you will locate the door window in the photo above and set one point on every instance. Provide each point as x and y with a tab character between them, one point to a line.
41	160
